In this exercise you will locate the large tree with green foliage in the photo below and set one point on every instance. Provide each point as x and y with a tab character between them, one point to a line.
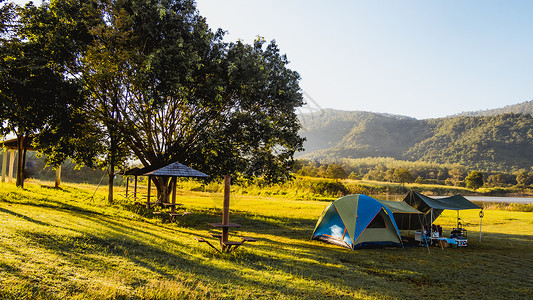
474	180
403	175
182	94
163	84
33	94
523	178
84	48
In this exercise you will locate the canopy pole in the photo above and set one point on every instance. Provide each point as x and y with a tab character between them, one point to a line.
431	226
457	219
480	223
480	226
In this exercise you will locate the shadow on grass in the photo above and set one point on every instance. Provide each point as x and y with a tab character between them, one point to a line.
84	252
52	204
128	242
23	217
284	261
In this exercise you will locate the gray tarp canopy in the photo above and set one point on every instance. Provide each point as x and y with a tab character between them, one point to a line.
431	208
456	202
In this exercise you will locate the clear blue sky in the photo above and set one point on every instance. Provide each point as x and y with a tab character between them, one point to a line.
419	58
423	59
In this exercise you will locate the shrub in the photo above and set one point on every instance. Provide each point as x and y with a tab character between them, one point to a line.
329	188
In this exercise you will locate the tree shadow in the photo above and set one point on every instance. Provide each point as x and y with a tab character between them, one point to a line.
23	217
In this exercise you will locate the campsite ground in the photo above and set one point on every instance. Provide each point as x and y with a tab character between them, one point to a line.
63	244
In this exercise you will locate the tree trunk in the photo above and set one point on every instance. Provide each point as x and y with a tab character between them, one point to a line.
58	176
20	161
164	188
112	162
111	177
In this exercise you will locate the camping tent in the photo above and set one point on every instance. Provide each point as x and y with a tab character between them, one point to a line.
357	221
431	207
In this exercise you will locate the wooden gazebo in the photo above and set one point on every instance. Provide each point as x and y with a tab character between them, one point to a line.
172	171
12	146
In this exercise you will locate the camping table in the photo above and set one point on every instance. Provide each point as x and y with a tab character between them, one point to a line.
225	245
220	225
223	238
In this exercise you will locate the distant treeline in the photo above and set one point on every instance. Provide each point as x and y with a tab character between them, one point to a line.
392	170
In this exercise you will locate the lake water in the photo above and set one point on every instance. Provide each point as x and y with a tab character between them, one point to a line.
521	200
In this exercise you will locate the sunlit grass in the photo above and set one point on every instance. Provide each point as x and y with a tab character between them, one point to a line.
58	244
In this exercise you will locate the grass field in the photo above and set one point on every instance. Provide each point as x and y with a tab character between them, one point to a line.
58	244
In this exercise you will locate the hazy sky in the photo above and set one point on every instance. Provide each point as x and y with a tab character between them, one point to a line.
418	58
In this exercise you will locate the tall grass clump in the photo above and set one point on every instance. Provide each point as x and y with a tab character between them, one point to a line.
518	207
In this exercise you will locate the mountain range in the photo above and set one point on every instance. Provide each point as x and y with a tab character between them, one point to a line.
490	140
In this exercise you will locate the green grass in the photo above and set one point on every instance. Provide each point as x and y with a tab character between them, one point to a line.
57	244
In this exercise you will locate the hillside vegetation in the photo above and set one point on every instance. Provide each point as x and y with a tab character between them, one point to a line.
520	108
486	143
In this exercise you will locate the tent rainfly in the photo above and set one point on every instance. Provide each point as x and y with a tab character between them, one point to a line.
357	221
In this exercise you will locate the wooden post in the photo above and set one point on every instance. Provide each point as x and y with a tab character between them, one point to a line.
11	164
225	209
149	188
58	176
173	207
20	162
135	189
127	183
4	166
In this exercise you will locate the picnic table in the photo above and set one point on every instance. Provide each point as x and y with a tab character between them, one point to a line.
225	244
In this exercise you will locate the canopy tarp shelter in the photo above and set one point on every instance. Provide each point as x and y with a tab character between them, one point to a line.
432	208
357	221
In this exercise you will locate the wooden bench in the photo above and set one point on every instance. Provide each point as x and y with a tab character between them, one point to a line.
180	214
230	246
202	240
172	215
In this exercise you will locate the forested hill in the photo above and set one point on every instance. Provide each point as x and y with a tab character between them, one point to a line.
520	108
493	143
